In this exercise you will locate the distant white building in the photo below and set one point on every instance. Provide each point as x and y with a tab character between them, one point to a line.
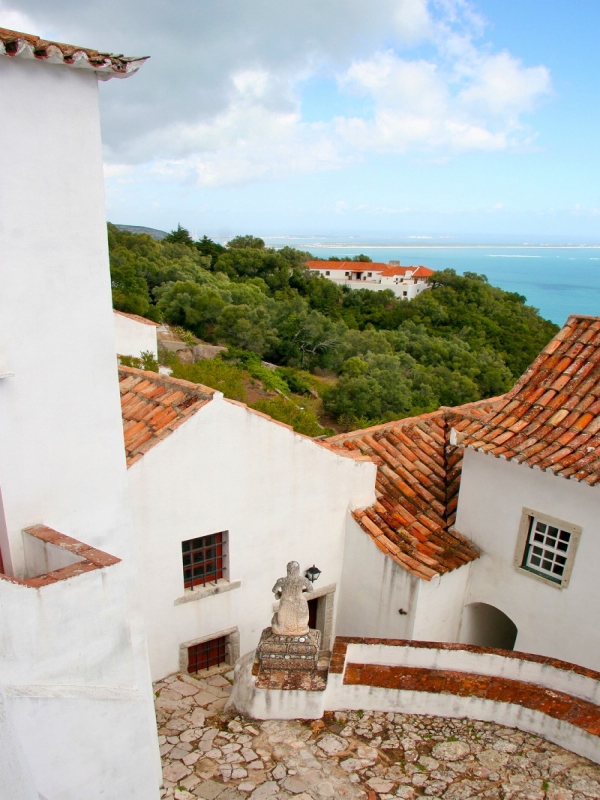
76	702
405	282
135	335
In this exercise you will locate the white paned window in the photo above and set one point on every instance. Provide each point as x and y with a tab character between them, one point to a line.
546	547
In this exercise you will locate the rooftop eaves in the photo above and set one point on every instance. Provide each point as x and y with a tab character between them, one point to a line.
105	65
551	417
418	478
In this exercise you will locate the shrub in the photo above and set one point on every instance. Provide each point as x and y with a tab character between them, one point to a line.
145	361
226	378
302	420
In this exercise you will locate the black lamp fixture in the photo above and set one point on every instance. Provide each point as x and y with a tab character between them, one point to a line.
312	574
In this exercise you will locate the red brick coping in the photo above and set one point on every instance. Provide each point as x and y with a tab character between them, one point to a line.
559	705
338	658
580	713
91	558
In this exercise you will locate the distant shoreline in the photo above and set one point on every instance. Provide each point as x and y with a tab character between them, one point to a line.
451	246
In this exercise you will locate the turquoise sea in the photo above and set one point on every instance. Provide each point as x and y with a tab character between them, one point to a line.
557	280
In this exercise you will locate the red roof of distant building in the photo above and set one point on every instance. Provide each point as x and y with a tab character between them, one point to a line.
379	267
413	272
106	65
350	266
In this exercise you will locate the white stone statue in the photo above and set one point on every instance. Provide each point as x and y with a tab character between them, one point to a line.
292	617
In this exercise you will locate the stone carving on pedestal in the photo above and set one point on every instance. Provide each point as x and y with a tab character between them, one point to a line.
289	644
291	619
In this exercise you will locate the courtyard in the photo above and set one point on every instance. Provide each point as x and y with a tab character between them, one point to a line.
208	753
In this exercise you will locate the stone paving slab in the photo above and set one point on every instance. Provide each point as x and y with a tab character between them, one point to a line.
210	755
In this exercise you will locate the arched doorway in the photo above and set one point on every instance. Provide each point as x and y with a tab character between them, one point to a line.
487	626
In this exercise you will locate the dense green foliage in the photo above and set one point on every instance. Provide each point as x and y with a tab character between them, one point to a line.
461	341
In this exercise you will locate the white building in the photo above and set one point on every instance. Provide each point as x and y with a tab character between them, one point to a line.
238	494
242	494
529	499
517	477
405	282
135	335
76	712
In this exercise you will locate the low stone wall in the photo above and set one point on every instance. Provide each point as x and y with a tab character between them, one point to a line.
545	696
519	690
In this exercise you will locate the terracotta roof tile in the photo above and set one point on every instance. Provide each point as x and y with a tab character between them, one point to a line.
555	405
418	478
106	65
385	270
136	317
153	406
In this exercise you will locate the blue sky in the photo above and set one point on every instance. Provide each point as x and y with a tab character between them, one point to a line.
475	120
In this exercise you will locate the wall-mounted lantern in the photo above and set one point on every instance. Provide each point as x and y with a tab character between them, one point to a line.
312	574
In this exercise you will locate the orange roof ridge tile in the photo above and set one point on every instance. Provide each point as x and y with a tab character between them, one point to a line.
136	317
153	406
168	380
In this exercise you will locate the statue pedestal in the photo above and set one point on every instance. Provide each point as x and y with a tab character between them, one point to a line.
289	653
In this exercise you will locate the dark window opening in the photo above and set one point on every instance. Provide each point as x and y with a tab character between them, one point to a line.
207	654
204	559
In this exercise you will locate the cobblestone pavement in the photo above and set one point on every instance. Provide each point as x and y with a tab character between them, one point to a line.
372	755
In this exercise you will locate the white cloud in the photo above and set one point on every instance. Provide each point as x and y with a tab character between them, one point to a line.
220	103
15	20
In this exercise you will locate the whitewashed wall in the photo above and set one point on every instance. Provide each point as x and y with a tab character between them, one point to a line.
374	589
132	337
439	606
281	496
551	621
61	461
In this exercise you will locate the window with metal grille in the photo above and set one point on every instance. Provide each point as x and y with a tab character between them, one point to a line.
204	559
546	547
207	654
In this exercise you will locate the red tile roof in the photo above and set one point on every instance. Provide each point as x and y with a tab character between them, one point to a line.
418	477
385	270
136	317
349	266
412	272
153	406
106	65
551	418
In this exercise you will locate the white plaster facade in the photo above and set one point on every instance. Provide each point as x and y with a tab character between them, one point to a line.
77	699
381	599
550	620
134	335
280	496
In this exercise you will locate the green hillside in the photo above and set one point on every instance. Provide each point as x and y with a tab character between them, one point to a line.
368	356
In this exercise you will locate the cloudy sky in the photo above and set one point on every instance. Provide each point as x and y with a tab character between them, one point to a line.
383	118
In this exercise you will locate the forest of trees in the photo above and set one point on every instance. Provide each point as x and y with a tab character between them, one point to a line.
386	358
